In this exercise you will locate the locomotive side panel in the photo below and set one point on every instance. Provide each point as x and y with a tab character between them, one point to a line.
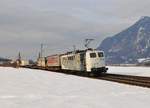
71	62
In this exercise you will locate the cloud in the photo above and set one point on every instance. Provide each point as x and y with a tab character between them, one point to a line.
60	24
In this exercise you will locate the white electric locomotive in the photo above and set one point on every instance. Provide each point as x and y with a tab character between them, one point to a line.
90	61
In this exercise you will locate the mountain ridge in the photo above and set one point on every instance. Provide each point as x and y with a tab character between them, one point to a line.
128	45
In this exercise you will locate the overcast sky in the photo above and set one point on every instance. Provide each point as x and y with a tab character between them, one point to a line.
60	24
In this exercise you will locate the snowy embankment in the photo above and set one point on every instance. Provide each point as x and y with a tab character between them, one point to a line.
26	88
138	71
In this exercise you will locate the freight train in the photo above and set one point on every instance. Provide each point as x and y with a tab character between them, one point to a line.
90	62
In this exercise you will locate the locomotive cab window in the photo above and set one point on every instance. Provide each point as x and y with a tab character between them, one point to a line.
100	54
92	55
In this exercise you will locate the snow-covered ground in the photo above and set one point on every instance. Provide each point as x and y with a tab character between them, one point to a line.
26	88
138	71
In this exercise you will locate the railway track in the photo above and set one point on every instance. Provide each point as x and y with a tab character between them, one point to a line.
124	79
127	79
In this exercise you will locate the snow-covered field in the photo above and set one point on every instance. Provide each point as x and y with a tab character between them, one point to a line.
138	71
26	88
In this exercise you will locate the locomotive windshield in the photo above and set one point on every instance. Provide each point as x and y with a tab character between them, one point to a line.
100	54
92	55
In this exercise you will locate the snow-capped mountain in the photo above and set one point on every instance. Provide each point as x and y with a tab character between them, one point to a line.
128	45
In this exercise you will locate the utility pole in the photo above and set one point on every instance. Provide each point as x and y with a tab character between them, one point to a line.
39	55
74	48
19	56
41	50
18	62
